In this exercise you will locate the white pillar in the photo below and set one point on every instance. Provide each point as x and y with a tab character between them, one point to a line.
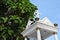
25	38
55	36
38	34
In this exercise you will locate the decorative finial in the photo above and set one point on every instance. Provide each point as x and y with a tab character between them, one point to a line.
55	25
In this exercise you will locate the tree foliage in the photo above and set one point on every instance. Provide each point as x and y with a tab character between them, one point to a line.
13	18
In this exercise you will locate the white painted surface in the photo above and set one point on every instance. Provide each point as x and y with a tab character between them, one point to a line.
38	34
45	20
29	23
46	29
55	37
41	25
36	14
25	38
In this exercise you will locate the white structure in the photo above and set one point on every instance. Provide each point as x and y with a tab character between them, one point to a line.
29	23
40	30
36	14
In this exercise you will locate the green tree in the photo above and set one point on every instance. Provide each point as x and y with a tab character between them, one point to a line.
13	18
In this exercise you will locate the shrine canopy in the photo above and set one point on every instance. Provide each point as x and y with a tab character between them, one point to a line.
46	27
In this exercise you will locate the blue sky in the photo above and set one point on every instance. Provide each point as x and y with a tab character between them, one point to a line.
50	9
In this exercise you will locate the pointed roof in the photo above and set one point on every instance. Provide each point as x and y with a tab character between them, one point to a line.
47	21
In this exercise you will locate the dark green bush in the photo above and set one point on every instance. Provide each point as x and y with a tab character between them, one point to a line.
13	18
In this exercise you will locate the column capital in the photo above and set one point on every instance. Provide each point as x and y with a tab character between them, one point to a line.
25	36
55	36
54	32
36	19
38	28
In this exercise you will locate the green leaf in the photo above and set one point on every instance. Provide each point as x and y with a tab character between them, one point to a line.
17	10
4	37
10	32
5	19
17	38
2	27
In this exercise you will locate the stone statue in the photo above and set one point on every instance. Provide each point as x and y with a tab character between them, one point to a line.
36	14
